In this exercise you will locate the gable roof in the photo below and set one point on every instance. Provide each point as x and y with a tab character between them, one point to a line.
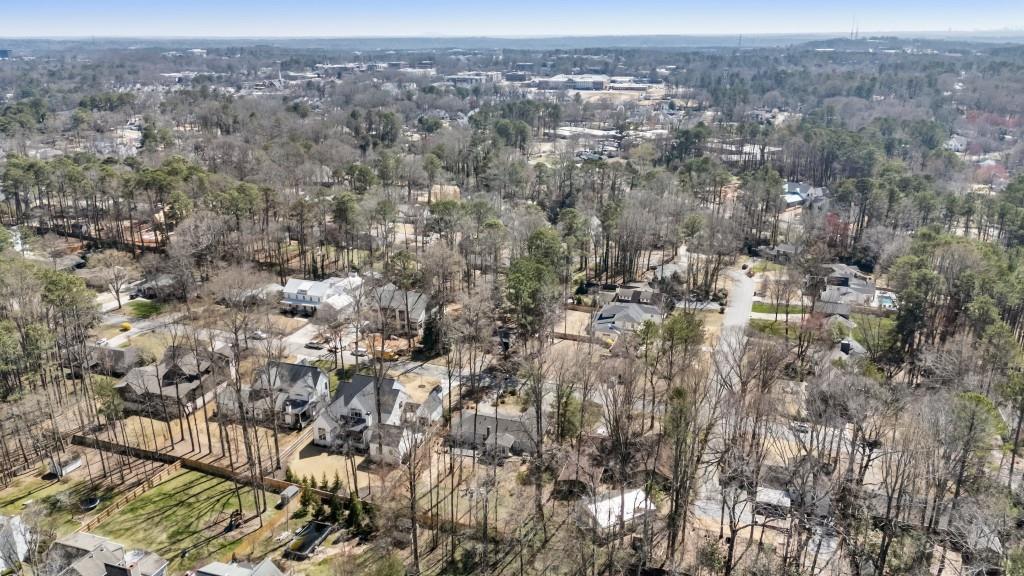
639	296
264	568
113	359
363	388
606	511
144	380
163	378
615	315
393	298
832	308
186	361
468	425
83	554
312	288
390	435
296	380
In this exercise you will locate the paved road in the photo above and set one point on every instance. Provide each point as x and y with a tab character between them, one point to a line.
741	301
708	504
139	326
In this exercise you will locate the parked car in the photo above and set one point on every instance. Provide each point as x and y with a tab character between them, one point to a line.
359	352
315	345
800	427
257	335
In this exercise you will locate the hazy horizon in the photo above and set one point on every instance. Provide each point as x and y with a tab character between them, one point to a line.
526	19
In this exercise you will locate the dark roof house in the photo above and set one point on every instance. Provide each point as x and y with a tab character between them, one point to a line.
293	395
84	554
180	382
406	310
478	430
111	360
354	410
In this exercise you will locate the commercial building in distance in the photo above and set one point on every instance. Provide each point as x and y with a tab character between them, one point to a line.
573	82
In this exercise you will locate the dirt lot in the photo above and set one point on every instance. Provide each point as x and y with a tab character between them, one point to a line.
285	325
712	326
315	462
142	431
418	386
574	322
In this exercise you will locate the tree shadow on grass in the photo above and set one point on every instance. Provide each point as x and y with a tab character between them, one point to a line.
23	495
177	514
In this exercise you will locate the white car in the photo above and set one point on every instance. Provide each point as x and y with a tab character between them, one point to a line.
359	352
258	335
101	342
800	427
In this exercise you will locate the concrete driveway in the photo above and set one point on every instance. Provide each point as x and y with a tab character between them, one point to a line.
741	301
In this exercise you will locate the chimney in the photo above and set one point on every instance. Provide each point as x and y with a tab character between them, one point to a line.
123	569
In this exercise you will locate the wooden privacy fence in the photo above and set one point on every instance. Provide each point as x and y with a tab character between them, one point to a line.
578	338
180	462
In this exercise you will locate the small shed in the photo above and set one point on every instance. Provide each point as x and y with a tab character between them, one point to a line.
287	495
64	466
771	502
604	514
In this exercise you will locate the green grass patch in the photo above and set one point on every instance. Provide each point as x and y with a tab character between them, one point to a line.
335	375
187	513
143	308
887	324
59	498
770	308
766	266
774	328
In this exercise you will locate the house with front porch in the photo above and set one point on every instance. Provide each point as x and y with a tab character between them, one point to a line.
290	395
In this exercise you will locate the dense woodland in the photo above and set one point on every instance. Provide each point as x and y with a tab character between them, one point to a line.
913	447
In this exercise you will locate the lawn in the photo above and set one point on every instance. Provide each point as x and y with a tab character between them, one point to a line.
152	344
185	514
765	266
60	499
108	331
335	375
773	328
140	308
769	308
886	324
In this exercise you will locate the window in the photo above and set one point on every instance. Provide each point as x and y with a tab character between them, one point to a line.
321	434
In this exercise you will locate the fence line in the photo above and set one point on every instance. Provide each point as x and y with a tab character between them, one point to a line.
161	475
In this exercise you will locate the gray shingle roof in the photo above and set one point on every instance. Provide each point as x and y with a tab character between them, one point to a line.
619	315
364	387
297	380
393	298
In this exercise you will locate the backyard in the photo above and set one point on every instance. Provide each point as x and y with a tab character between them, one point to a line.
59	498
771	308
143	308
184	520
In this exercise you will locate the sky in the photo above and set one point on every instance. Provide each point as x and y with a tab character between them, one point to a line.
362	18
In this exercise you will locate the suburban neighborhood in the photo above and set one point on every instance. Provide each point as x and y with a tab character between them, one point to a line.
380	306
